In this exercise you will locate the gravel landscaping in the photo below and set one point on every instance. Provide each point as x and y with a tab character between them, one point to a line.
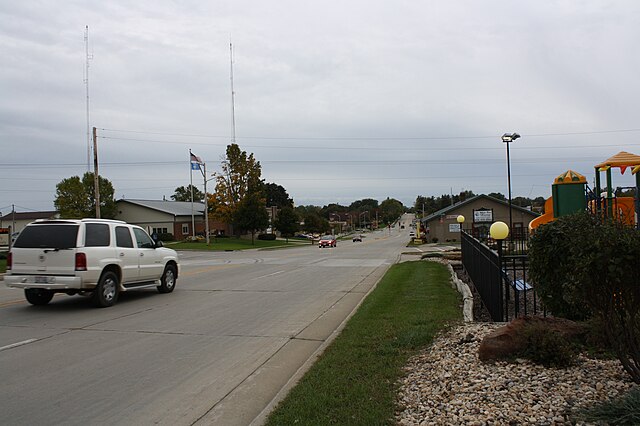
446	384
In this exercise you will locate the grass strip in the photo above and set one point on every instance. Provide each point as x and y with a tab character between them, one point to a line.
222	244
355	381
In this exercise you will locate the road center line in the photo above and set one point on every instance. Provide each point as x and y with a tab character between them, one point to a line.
15	345
269	275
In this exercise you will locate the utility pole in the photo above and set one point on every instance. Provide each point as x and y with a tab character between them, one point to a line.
86	82
96	176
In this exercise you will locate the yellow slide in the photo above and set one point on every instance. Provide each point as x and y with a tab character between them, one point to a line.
545	218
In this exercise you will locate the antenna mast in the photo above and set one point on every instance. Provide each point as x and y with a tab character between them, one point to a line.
86	82
233	98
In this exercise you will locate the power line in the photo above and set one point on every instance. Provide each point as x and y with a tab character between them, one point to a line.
369	138
358	148
473	161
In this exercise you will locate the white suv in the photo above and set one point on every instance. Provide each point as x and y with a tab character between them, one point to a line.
88	256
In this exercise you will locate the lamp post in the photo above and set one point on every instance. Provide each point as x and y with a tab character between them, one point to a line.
360	218
508	138
499	231
460	220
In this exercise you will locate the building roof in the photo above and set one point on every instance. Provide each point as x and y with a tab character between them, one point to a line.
456	206
175	208
29	215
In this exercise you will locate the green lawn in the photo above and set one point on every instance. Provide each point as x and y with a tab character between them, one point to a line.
221	244
354	380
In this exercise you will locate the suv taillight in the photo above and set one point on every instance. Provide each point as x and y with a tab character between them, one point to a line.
81	262
9	261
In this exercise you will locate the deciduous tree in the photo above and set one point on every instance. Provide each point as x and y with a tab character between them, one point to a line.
239	177
251	215
287	222
277	196
183	193
390	210
75	197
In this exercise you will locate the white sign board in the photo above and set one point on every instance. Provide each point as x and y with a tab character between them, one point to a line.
454	227
483	215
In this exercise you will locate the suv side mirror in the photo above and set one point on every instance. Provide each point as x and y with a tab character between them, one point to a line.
159	244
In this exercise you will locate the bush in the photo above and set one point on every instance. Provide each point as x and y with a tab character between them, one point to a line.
620	411
584	267
166	237
267	237
596	341
553	261
434	240
547	347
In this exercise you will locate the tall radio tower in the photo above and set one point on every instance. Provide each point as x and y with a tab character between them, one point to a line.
86	82
233	98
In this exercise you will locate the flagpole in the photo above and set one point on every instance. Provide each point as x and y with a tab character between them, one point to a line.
206	208
193	222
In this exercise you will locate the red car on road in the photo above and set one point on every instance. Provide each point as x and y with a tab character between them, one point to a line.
327	241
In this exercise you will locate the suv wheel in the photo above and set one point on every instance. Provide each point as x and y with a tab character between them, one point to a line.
106	292
168	280
38	296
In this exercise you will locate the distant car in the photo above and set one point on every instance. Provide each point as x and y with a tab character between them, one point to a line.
412	234
357	238
327	241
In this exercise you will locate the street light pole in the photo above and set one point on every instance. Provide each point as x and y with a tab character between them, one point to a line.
499	231
508	138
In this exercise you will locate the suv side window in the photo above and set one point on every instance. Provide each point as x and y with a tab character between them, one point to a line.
97	235
144	240
123	237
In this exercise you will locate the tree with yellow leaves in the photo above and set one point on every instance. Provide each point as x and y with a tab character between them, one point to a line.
239	178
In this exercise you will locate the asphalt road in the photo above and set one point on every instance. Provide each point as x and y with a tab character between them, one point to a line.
233	337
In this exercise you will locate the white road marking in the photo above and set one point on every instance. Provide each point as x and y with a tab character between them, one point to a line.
14	345
269	275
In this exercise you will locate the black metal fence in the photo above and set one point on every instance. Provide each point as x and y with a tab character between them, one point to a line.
500	276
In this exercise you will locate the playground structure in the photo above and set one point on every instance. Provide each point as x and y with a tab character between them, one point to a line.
571	194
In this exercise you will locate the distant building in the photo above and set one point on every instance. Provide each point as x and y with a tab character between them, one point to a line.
168	217
18	220
479	212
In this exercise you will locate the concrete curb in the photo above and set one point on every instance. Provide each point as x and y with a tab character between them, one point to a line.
373	277
467	295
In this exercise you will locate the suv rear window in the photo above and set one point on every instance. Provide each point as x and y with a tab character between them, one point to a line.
47	236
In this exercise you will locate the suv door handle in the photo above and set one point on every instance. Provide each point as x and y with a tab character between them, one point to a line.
141	254
121	254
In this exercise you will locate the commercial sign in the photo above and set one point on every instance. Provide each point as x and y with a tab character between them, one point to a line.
483	215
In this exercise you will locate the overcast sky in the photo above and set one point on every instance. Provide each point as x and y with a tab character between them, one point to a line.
338	100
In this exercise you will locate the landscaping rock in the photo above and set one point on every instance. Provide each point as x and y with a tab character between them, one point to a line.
503	343
447	384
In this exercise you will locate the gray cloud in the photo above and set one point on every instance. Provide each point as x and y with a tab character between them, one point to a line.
317	85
